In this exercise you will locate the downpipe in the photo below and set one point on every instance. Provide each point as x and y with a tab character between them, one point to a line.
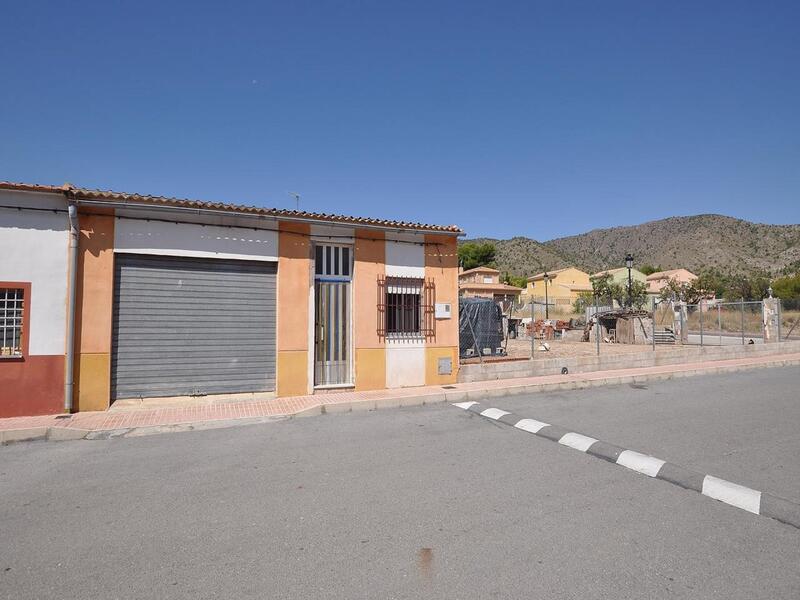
74	232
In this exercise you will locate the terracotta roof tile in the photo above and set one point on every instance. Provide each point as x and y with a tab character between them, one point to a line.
156	201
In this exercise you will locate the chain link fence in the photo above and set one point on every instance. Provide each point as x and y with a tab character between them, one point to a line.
720	323
537	330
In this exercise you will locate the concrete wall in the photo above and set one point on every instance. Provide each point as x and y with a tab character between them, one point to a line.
645	358
93	319
370	352
294	282
33	247
441	265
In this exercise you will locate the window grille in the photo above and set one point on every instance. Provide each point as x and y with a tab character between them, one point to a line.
11	311
406	307
332	260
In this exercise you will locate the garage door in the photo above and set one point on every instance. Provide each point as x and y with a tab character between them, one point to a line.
192	326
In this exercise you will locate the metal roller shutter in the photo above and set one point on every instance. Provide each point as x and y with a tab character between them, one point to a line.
189	326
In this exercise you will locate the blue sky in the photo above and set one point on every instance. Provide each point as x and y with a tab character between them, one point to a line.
533	118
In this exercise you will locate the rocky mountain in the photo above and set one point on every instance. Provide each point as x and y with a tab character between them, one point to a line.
696	243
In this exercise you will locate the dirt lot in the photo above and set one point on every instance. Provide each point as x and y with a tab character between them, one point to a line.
521	348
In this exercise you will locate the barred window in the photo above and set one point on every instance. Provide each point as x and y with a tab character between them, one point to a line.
406	307
11	311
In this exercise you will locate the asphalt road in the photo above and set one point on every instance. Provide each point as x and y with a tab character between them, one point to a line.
714	339
427	502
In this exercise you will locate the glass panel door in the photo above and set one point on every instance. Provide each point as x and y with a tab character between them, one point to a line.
332	315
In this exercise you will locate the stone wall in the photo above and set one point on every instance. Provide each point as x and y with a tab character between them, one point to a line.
647	358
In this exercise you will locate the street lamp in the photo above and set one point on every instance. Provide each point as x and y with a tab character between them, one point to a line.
629	264
546	279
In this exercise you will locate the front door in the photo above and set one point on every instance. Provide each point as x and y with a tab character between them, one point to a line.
332	280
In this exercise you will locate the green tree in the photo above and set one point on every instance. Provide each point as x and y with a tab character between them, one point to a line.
787	288
605	287
712	282
650	269
583	301
472	255
515	280
749	287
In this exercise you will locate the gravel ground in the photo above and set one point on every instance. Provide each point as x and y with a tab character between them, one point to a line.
521	348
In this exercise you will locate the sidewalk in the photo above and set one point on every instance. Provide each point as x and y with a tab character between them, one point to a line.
83	424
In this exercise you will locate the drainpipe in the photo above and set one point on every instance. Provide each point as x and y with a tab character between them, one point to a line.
74	232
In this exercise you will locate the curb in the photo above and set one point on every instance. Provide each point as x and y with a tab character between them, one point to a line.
490	389
740	496
51	434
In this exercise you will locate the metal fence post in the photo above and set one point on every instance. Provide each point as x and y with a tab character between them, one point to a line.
780	318
597	325
700	310
719	322
741	304
533	322
653	321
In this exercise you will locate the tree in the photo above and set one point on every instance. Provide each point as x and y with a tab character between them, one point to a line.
752	287
650	269
582	302
604	286
516	281
472	255
787	288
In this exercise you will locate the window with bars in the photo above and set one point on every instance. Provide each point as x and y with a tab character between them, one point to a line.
12	308
332	260
406	307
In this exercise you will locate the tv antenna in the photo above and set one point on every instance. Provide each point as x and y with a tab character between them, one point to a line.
296	197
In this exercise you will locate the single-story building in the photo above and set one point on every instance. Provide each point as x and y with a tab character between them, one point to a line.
484	282
108	296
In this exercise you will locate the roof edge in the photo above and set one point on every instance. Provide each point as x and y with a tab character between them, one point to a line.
126	200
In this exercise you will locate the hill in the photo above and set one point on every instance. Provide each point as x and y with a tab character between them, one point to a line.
696	243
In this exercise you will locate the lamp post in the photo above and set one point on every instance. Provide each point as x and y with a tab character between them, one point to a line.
629	264
546	279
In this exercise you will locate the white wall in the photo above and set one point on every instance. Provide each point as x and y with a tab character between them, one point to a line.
405	259
405	363
405	357
139	236
33	248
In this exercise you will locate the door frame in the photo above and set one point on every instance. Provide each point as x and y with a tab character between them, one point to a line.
350	345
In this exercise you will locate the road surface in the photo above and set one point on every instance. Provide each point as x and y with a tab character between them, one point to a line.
428	502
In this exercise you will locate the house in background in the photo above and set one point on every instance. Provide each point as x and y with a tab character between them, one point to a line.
563	286
484	282
185	298
620	275
657	281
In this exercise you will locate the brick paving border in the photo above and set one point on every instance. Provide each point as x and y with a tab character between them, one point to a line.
80	424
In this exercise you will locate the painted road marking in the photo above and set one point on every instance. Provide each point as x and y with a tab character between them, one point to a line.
531	425
642	463
732	493
464	405
494	413
577	441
